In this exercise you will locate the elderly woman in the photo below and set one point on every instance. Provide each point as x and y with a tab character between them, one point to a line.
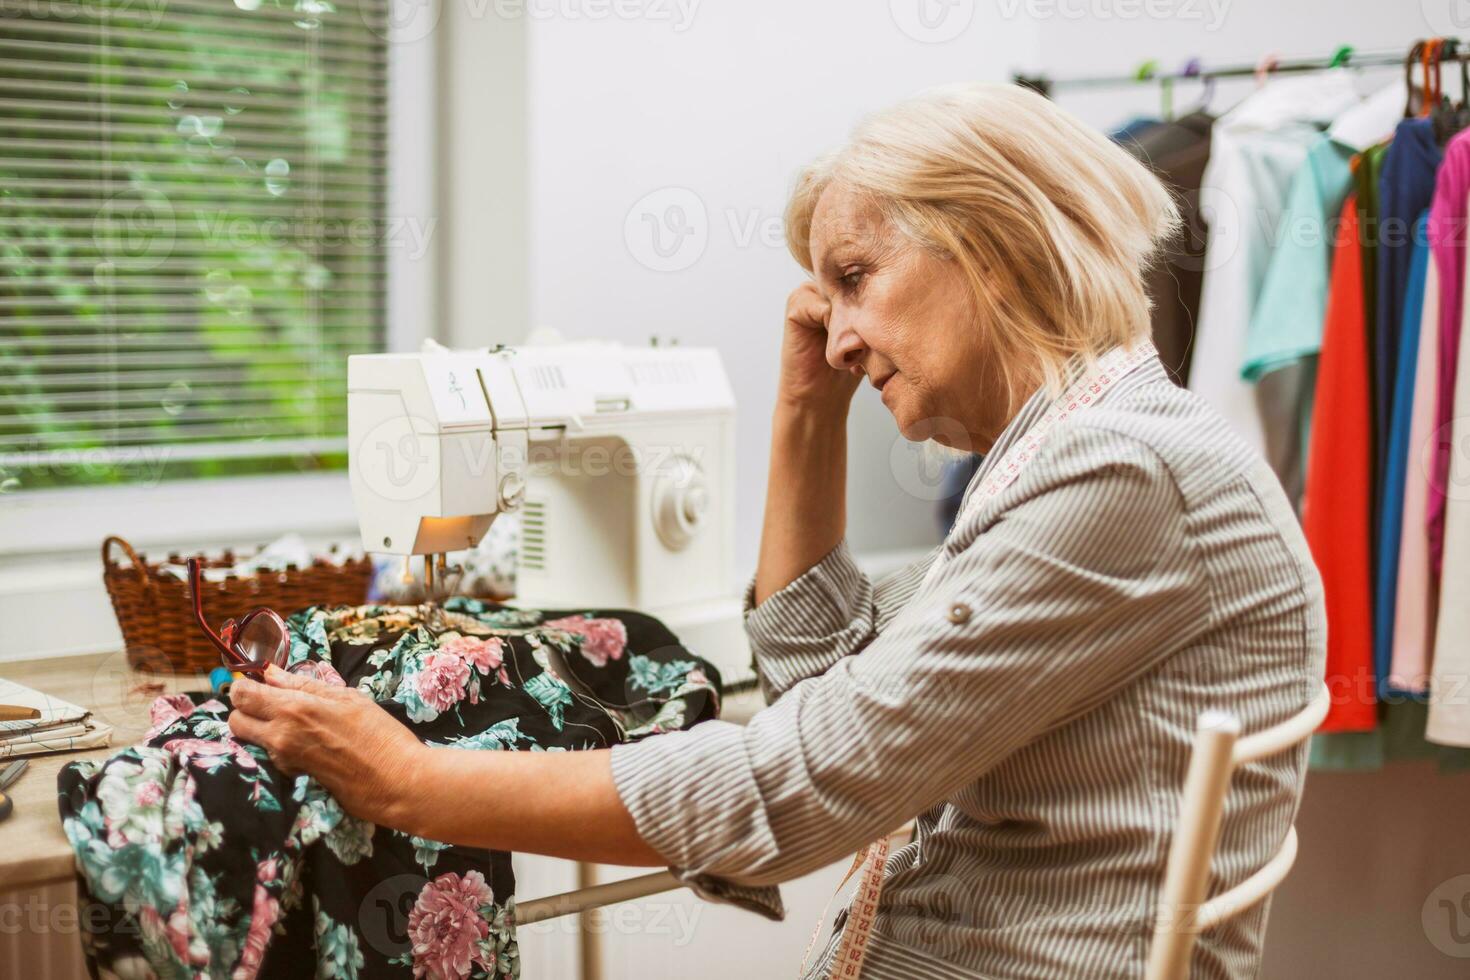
1025	694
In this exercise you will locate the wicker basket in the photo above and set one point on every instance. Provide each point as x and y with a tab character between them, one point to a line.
156	612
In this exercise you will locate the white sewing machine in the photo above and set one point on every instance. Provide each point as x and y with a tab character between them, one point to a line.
620	461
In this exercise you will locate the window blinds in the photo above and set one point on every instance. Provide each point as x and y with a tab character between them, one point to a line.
192	234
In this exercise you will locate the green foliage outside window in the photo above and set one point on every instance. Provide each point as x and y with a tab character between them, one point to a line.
192	234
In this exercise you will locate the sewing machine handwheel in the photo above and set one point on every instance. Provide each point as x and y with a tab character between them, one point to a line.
680	503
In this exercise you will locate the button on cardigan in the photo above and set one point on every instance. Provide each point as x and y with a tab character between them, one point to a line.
1144	567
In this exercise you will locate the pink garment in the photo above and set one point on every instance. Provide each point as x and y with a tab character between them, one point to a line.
1449	708
1447	241
1418	601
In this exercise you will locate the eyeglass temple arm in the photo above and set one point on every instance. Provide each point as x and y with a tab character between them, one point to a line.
195	578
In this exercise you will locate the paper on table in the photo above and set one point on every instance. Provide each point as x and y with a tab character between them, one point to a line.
60	730
54	711
62	725
93	735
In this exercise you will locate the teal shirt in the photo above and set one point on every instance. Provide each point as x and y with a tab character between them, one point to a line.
1286	324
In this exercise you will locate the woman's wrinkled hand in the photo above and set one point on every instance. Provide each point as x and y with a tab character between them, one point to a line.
362	755
807	380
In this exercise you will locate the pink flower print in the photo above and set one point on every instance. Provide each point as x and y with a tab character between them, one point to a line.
483	654
697	676
503	676
262	918
199	748
442	680
446	927
149	794
176	928
166	710
602	639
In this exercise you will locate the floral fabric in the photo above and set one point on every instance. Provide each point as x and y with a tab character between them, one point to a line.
212	863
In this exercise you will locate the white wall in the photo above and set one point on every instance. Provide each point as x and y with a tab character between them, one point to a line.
480	249
715	116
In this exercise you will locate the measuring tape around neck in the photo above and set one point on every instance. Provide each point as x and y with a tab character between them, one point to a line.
1112	367
1079	396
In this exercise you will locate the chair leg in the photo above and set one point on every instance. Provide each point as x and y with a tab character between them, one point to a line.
1187	876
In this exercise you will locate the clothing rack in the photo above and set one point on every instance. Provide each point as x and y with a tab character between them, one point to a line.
1193	70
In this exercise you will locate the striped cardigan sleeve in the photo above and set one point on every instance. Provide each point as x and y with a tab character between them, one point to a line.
830	611
1082	579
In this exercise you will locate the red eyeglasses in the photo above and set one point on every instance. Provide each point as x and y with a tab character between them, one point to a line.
250	645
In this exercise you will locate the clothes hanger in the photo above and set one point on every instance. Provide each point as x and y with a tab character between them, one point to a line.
1265	67
1147	71
1449	116
1409	61
1193	69
1428	55
1342	58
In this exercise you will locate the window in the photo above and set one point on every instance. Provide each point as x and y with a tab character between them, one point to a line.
192	234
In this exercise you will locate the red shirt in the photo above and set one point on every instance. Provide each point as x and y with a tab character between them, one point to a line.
1337	503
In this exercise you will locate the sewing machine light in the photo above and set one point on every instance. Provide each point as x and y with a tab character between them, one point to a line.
442	534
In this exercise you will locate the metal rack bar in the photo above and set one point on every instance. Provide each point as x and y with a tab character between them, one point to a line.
1356	59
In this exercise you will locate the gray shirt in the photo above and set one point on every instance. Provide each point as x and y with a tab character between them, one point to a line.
1032	710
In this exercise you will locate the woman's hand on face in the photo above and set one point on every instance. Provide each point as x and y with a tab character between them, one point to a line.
807	380
360	753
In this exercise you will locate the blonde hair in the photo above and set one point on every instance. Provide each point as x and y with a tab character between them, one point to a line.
1052	223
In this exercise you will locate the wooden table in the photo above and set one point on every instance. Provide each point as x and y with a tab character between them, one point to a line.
33	849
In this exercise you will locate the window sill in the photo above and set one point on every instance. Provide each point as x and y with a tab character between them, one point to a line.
52	599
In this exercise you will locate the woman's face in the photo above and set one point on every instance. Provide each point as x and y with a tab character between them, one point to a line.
904	317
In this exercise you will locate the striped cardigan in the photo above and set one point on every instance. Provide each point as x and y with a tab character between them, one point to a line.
1032	709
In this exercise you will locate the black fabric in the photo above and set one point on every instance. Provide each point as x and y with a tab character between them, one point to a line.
1178	152
209	862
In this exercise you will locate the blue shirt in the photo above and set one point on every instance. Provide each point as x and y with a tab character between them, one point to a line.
1396	457
1405	189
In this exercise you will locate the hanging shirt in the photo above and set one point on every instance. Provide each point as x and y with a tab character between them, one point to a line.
1255	150
1178	152
1405	189
1449	710
1418	599
1335	507
1396	456
1286	325
1285	330
1447	240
